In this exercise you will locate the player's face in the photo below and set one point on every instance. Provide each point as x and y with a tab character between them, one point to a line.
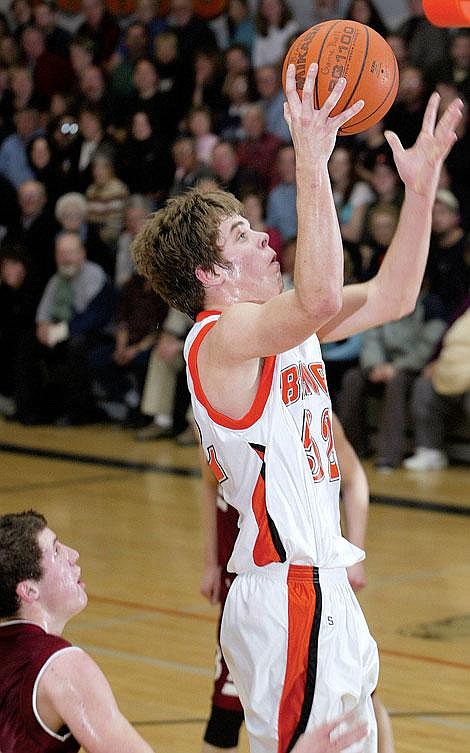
62	592
255	273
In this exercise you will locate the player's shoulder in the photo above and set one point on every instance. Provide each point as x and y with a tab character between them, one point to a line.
218	344
70	665
68	659
233	323
227	320
239	315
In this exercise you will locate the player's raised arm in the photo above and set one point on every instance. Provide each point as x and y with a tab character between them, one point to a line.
392	293
200	252
286	320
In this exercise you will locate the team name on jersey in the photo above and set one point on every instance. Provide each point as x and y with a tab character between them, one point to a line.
301	379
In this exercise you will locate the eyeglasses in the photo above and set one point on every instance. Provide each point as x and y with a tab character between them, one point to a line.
69	129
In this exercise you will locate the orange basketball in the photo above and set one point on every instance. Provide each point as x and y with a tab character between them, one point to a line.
359	54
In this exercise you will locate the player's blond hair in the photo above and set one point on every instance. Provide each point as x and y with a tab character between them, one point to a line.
178	239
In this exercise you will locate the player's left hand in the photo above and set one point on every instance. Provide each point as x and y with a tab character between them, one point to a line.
210	583
357	576
419	167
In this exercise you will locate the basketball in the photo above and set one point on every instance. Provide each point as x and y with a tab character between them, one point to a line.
357	53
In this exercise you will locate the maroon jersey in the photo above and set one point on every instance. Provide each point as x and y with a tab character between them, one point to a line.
25	649
225	695
227	529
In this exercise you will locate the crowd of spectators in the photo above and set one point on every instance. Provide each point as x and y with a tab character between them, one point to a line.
103	118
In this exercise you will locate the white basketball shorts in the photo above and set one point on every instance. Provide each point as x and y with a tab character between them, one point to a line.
300	653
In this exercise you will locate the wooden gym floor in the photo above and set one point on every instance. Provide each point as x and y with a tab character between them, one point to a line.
132	510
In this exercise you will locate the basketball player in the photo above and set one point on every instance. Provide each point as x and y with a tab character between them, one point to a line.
220	529
53	697
293	634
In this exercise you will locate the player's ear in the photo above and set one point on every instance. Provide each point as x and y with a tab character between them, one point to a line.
27	591
210	278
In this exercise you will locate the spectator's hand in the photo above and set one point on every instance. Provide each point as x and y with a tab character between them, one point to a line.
429	369
383	372
210	583
420	166
123	356
168	347
42	333
357	576
50	334
118	356
325	739
314	131
57	333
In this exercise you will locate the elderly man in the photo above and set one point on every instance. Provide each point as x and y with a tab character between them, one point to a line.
53	696
71	320
36	230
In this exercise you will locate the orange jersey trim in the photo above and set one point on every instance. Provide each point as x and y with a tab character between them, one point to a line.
265	550
204	314
262	393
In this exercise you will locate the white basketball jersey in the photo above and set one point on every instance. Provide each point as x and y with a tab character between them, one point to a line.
277	465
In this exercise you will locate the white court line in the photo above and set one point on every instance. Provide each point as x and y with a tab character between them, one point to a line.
443	721
204	672
111	621
455	571
138	658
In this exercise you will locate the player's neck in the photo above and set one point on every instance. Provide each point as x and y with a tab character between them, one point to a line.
49	623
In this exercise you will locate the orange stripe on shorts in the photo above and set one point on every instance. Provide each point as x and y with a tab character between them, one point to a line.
304	610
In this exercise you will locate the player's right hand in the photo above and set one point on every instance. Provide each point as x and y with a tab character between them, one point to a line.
314	131
331	737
